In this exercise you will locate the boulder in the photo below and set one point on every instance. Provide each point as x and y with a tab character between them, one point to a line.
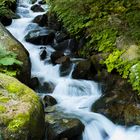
43	54
82	70
37	8
41	20
42	2
11	44
118	102
34	83
69	44
21	113
6	20
61	126
47	87
49	101
40	37
53	22
61	36
55	56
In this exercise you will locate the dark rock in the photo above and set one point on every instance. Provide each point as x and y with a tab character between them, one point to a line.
40	37
65	69
82	70
65	66
41	20
6	21
56	55
46	88
61	36
42	2
11	44
53	22
34	83
49	101
37	8
60	126
119	102
43	54
33	1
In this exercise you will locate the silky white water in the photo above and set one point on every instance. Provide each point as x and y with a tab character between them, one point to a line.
74	96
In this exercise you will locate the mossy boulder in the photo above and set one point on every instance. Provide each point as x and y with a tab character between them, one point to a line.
60	125
21	113
11	44
118	102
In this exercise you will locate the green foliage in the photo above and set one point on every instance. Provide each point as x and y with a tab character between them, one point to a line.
7	61
134	77
5	7
100	23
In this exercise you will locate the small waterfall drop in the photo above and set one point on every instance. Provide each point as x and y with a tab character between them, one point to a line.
74	96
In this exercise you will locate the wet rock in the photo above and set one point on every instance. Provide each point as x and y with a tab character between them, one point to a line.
65	69
55	56
60	126
41	20
34	83
43	54
53	22
11	44
119	102
6	21
37	8
82	70
61	36
46	88
49	101
42	2
40	37
21	113
65	66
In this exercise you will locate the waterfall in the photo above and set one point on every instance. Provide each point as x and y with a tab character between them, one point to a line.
74	96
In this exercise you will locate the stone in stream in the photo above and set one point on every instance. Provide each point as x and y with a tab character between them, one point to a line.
82	70
61	126
41	20
34	83
47	87
119	102
49	101
11	44
37	8
55	56
42	2
43	54
21	113
40	37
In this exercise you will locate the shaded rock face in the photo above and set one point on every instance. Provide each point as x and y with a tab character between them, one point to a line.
40	37
49	101
59	126
55	56
11	44
43	54
119	102
37	8
6	21
41	20
82	70
21	113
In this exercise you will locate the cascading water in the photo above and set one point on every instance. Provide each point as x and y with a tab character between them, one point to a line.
74	96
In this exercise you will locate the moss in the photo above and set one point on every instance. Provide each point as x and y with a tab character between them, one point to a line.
2	109
18	122
4	99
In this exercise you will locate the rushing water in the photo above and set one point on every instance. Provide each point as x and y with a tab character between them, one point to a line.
74	96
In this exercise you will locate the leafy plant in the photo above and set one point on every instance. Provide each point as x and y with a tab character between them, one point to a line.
7	61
